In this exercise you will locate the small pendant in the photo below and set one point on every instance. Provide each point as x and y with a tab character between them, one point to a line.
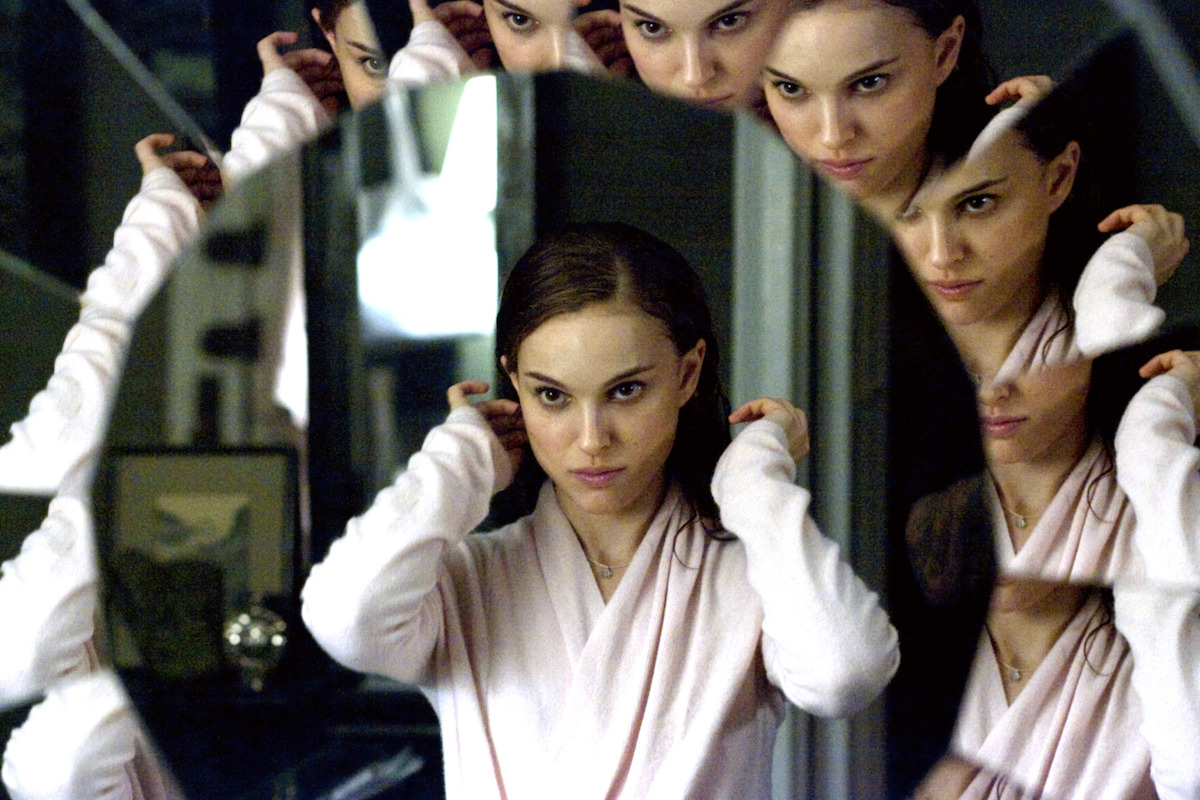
604	571
1014	675
1020	521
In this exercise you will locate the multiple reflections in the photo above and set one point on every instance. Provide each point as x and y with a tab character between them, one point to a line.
1089	496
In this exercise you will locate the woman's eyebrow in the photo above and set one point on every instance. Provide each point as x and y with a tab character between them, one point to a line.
869	68
371	51
641	13
781	75
987	183
622	376
514	8
729	9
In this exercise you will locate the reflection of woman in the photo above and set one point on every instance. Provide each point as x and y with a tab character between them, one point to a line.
864	90
707	51
996	252
83	735
617	640
1072	696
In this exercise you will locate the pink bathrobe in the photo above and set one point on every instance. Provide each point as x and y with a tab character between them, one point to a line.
1073	730
672	689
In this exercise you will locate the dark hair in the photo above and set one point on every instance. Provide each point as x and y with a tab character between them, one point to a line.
602	262
330	11
1072	237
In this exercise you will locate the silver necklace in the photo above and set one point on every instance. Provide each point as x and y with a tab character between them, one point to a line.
605	570
1013	674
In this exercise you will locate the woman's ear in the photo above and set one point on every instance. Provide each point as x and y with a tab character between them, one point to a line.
946	48
690	366
1059	175
330	34
512	374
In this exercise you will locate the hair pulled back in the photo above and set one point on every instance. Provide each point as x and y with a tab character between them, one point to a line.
607	261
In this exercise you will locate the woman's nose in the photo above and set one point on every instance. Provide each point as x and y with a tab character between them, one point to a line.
595	435
945	245
837	126
699	65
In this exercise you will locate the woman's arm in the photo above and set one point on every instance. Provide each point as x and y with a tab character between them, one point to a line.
827	643
283	115
1162	628
1114	300
66	420
1158	468
374	603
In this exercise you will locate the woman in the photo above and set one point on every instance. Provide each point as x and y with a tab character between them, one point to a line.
865	90
618	640
709	52
1073	694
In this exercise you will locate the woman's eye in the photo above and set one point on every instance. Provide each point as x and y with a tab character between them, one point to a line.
627	390
871	83
789	90
374	67
731	22
979	203
651	29
549	396
520	22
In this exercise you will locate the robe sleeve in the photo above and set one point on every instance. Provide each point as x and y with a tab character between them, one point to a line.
67	419
374	604
432	54
1158	468
283	115
827	643
1163	631
80	742
1114	301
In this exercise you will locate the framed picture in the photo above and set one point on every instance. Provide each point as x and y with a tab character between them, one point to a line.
190	538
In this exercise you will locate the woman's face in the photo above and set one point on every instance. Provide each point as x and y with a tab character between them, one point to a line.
360	58
1038	418
532	35
851	85
974	235
600	392
707	51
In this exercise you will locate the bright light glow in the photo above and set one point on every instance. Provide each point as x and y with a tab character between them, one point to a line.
433	273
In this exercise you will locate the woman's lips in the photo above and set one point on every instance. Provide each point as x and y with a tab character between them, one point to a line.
597	478
954	290
1000	427
843	168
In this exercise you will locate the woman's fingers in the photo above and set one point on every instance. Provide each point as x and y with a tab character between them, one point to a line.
784	414
1162	230
268	49
147	149
458	393
1026	90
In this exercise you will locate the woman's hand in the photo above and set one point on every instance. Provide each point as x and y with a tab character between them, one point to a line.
503	416
783	414
1026	90
467	24
1184	365
317	68
196	170
1159	228
601	30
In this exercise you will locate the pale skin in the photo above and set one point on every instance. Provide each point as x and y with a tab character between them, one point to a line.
600	392
852	84
706	51
1025	620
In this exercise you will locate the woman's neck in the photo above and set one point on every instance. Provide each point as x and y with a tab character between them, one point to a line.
1022	637
1026	488
610	540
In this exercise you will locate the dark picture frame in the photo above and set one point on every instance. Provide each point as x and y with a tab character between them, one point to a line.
193	536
